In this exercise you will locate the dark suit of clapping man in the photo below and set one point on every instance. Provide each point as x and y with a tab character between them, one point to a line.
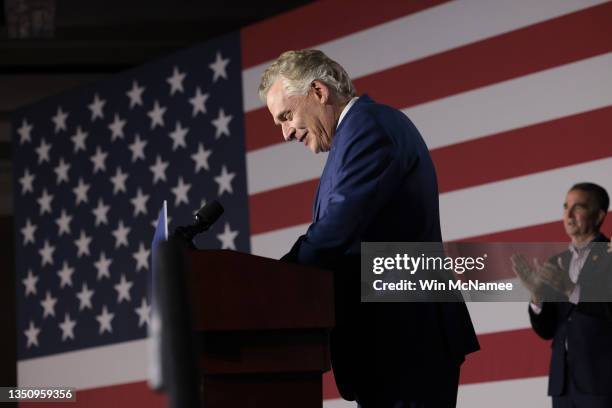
379	184
562	308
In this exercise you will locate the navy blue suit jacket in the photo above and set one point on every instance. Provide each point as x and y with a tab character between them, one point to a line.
586	328
379	184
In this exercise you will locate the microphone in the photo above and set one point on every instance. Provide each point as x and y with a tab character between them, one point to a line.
208	215
204	218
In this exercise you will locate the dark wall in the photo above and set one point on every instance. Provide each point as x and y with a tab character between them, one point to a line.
8	342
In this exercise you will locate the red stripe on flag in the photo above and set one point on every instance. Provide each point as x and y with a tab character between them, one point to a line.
118	396
549	232
260	130
515	153
318	23
583	34
282	207
524	51
524	151
330	391
503	356
506	356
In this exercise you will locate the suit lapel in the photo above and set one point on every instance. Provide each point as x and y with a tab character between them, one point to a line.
315	209
322	195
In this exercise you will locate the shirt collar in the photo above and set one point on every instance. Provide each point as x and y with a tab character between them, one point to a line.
346	109
580	250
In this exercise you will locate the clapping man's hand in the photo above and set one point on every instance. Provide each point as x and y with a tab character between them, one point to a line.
528	276
556	277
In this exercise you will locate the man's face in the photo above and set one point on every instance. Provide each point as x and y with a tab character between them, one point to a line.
580	214
305	118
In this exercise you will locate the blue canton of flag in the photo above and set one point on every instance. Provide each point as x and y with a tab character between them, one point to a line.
92	168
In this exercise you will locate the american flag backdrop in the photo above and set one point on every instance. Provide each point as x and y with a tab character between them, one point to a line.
514	100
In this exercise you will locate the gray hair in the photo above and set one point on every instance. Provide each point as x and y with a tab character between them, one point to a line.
299	69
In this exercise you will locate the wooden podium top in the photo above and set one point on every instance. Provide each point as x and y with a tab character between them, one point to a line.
238	291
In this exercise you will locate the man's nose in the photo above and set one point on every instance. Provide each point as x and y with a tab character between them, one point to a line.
288	132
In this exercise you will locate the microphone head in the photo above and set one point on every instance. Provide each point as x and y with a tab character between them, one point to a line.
209	214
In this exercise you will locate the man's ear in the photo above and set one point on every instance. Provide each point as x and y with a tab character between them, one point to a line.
601	216
320	90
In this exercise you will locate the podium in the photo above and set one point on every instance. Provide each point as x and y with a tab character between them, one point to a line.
263	327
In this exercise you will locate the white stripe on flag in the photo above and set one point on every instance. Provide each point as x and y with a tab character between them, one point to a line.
542	96
89	368
554	93
127	362
514	203
491	317
445	27
276	243
518	202
529	392
281	165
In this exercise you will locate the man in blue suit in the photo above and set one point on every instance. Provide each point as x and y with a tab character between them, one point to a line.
571	305
379	184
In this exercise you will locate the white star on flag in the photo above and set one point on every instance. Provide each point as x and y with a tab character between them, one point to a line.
201	158
32	335
78	139
96	107
176	81
143	312
61	171
116	128
135	94
137	148
43	151
100	130
121	234
98	160
44	201
227	237
118	181
28	232
159	169
222	124
104	319
100	212
48	305
218	67
67	327
65	275
141	257
82	244
63	223
225	181
157	115
199	102
178	136
80	192
26	182
30	283
46	253
123	289
102	266
180	192
84	297
60	119
24	132
140	203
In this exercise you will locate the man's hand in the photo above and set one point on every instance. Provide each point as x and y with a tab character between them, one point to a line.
556	277
528	276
